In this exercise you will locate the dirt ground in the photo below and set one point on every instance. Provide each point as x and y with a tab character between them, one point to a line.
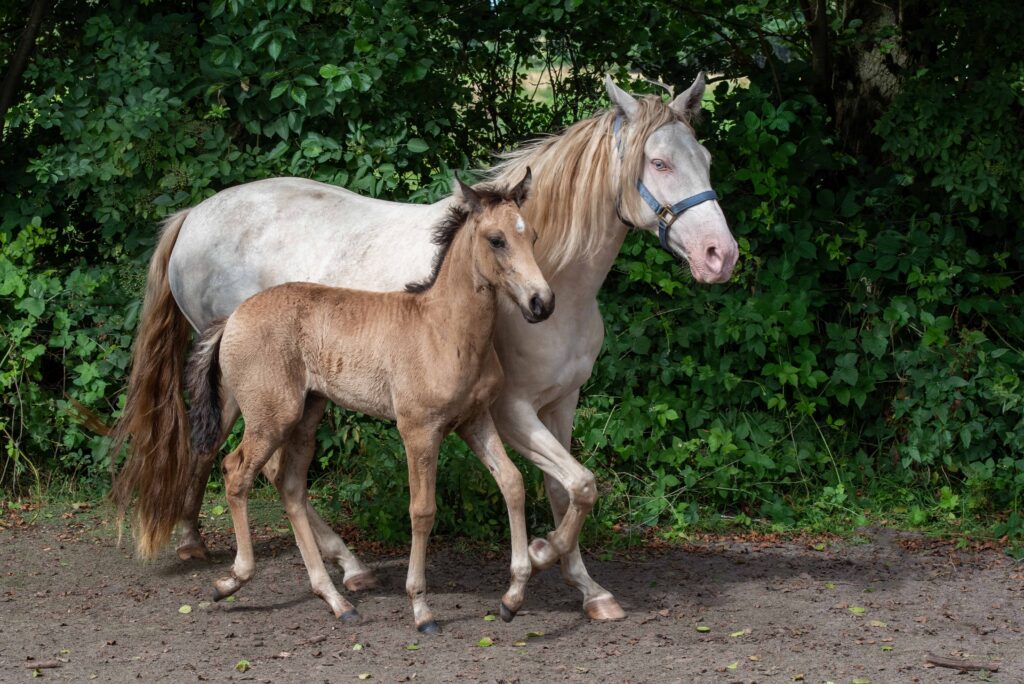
870	609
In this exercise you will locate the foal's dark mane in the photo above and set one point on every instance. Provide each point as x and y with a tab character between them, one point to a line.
456	217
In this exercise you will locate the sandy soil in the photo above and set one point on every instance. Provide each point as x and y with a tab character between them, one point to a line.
722	610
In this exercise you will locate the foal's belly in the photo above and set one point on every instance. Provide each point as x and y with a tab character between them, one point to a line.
369	394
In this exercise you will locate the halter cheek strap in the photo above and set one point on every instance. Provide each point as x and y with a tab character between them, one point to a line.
667	215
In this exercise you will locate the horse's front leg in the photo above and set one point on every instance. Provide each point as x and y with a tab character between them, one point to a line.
518	423
421	447
572	499
482	437
598	602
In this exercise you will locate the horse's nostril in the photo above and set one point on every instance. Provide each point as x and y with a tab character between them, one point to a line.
713	258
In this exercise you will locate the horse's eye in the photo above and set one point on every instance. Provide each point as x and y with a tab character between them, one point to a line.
497	241
659	165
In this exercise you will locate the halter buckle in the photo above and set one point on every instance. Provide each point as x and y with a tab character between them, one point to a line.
665	215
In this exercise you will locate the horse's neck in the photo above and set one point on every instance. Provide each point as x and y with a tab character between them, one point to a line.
582	278
459	302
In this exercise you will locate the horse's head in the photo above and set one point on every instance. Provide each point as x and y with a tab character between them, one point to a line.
664	180
503	247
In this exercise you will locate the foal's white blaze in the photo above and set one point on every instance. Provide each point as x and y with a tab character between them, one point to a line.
520	224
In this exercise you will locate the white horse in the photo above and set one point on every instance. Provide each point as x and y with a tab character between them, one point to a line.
637	164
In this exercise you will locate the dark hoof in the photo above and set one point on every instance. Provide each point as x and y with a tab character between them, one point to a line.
429	628
507	613
350	616
217	596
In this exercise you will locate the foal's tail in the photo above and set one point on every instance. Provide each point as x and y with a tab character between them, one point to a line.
203	373
153	424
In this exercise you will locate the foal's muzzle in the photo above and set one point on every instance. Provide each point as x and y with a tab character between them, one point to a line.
540	307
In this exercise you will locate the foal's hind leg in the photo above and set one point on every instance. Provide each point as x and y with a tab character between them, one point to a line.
240	468
482	437
291	483
357	575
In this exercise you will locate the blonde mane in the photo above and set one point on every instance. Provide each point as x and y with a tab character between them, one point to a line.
575	182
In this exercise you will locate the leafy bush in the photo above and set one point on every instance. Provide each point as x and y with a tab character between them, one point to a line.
866	355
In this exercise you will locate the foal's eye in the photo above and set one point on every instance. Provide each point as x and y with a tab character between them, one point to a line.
497	242
659	165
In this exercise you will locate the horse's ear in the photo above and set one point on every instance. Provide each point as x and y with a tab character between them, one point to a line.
626	102
687	105
520	192
466	195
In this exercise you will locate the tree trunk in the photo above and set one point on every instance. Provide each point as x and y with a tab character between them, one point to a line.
12	76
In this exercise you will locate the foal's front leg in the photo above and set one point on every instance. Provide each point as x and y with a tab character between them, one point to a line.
421	446
482	437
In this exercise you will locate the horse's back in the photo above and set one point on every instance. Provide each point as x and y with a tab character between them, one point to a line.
250	237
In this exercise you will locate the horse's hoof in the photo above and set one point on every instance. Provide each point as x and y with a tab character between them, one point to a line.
429	628
362	581
542	555
604	608
350	616
507	614
193	551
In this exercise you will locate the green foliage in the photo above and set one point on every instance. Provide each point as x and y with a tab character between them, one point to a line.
866	354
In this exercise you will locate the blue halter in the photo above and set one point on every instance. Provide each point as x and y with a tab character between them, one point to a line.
667	215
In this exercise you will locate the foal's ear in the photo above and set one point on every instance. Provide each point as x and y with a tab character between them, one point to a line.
520	192
466	194
620	97
687	105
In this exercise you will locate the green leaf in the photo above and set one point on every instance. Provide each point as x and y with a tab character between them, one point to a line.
185	609
357	647
485	642
363	675
243	665
702	628
279	89
532	635
489	618
329	71
857	610
412	647
417	145
274	49
298	94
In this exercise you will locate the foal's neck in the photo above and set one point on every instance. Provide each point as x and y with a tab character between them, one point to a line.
460	300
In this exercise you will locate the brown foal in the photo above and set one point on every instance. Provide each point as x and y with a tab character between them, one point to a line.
423	358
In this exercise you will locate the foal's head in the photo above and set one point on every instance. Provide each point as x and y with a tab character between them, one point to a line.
503	246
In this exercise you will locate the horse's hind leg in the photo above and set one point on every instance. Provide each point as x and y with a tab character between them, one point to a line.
290	481
190	541
357	575
482	437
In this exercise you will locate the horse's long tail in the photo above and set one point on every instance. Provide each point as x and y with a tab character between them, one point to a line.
203	373
158	468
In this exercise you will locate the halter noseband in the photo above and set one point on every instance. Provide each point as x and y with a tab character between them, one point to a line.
667	215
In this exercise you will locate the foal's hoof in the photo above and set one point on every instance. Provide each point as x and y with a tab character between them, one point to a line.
507	614
604	608
225	587
542	555
350	616
193	551
362	581
429	628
